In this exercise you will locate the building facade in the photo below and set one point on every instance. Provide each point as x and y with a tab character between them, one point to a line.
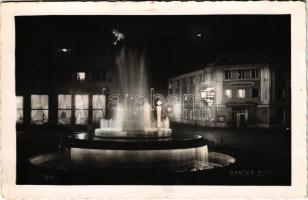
234	95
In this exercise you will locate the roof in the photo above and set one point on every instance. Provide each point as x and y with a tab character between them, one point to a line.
187	75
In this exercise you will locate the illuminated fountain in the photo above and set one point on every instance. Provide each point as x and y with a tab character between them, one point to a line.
138	135
134	117
134	128
132	138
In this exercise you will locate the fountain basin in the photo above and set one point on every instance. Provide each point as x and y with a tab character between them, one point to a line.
56	161
169	154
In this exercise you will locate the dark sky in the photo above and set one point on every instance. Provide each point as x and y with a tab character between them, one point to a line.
171	43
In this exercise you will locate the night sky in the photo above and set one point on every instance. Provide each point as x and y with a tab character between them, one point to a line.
172	44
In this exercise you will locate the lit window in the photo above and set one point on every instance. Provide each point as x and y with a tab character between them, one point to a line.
64	109
255	93
255	73
228	93
81	76
207	96
81	111
228	74
20	106
99	107
39	109
241	93
203	94
170	86
241	74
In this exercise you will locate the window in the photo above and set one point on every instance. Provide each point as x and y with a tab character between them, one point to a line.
255	73
200	78
64	109
228	93
192	89
170	86
177	87
255	93
184	88
99	107
39	109
228	74
81	76
241	73
185	97
241	93
210	76
207	96
81	109
184	82
192	80
190	98
20	107
177	83
203	94
99	75
221	118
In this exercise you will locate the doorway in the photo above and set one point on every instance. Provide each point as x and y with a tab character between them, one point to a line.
240	117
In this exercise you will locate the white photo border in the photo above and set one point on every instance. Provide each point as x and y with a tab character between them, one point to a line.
7	80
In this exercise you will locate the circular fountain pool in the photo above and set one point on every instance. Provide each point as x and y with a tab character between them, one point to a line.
84	151
164	153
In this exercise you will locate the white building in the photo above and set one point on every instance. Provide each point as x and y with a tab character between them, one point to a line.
237	95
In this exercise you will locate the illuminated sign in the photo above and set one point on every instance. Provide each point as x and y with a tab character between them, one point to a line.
208	96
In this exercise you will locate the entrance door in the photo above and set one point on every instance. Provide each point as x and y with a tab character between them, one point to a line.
240	117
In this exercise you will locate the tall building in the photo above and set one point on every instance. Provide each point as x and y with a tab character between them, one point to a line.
233	95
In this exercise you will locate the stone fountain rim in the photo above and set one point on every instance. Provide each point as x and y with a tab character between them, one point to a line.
92	142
